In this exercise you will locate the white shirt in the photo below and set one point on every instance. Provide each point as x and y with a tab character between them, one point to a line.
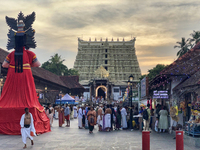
123	111
80	113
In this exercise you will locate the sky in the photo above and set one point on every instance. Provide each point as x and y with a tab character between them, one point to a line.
156	24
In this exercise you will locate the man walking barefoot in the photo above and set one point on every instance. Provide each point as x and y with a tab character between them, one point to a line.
27	127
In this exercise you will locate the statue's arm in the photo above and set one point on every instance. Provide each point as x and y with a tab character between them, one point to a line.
5	64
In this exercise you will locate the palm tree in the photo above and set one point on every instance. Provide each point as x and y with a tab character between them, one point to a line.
183	47
195	37
55	65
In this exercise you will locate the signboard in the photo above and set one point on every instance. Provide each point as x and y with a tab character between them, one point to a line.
144	87
160	94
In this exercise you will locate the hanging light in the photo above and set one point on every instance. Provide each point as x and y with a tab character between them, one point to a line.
131	78
129	82
45	88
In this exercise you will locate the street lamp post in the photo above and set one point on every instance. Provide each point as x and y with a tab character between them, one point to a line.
130	82
138	85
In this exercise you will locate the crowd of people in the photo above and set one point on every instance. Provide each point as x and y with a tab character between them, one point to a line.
109	117
161	114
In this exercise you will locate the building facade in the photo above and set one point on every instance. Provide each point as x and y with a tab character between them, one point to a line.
104	67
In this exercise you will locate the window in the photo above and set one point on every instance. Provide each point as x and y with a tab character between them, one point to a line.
106	61
116	90
106	56
106	50
106	68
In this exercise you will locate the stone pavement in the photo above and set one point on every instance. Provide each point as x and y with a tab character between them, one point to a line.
65	138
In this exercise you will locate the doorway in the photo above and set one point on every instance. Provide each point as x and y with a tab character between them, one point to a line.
101	93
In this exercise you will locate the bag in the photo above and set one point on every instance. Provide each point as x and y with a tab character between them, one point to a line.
145	114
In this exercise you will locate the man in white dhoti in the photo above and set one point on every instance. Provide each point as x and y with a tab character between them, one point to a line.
100	117
80	117
107	116
75	112
27	127
124	114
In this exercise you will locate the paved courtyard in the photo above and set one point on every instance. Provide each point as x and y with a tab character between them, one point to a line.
75	139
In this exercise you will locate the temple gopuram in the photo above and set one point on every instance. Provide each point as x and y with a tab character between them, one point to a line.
104	67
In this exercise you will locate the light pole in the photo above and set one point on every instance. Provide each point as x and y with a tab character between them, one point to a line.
130	82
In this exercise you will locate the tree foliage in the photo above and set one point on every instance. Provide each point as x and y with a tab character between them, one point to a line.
152	73
155	71
55	65
195	37
183	46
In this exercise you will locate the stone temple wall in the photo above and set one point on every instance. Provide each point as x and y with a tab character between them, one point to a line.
117	57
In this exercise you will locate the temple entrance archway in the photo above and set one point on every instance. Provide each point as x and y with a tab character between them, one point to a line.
101	91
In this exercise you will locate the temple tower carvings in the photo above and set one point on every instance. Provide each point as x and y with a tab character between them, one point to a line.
117	57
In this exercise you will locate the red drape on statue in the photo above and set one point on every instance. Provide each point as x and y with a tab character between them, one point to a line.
19	92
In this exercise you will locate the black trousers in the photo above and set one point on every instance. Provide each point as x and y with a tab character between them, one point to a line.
91	128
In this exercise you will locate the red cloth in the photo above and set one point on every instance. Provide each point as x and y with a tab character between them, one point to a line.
67	117
19	92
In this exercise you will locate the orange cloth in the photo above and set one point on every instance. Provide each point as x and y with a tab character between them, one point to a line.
92	114
61	117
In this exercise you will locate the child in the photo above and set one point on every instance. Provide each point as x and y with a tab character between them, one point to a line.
156	124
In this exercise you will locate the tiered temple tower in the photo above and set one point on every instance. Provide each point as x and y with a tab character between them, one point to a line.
117	57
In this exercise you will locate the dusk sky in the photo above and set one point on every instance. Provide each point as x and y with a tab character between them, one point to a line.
156	24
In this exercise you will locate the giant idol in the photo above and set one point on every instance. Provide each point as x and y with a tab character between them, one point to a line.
19	89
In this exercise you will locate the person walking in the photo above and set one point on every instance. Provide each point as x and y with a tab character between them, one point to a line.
118	119
80	116
124	114
27	126
49	113
75	112
112	116
100	117
91	115
71	112
67	115
146	118
107	119
84	116
61	116
163	120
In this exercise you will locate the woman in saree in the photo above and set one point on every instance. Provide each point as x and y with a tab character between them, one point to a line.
61	116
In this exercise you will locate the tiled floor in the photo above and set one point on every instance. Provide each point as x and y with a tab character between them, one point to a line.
72	138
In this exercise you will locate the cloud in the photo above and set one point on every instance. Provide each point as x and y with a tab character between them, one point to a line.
157	25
